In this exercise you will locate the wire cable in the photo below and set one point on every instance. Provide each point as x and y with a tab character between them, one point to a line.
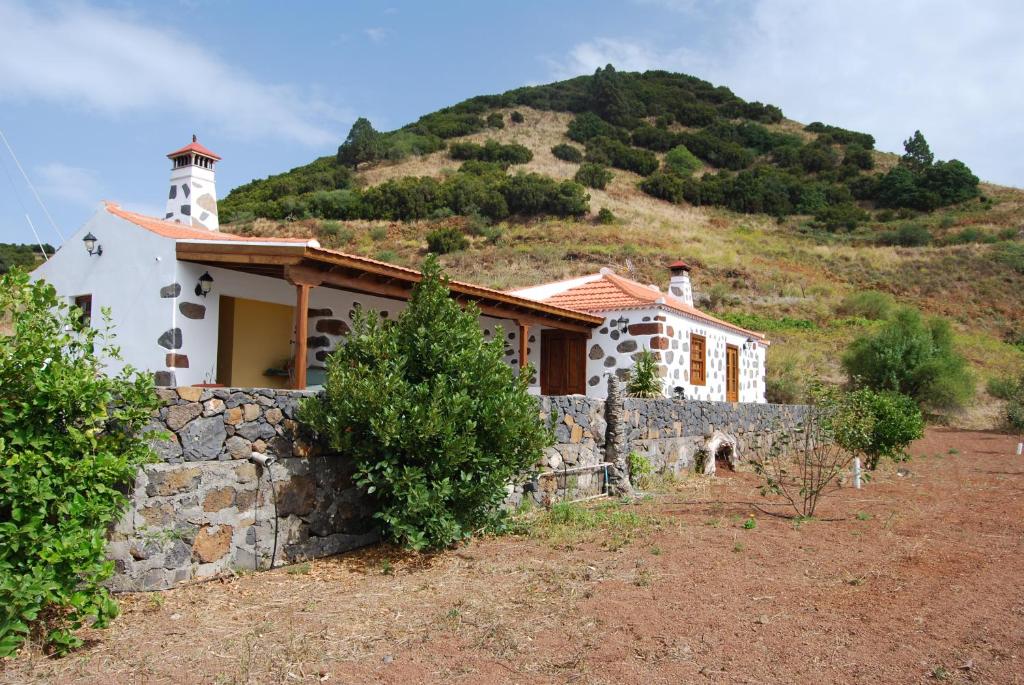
31	187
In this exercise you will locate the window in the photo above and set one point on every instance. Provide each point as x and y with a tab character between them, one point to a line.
698	361
84	304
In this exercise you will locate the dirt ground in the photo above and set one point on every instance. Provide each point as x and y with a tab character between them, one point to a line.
916	578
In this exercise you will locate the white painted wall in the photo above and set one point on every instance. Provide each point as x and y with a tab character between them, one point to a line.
612	348
126	278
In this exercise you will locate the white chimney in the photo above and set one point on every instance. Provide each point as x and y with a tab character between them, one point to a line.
192	199
679	282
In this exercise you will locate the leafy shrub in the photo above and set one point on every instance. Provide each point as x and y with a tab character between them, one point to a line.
605	216
907	235
567	153
70	440
846	216
639	470
670	187
868	304
757	322
517	117
363	144
445	240
491	151
621	156
588	125
914	357
784	382
495	120
1003	388
723	154
896	422
434	419
644	380
1012	256
842	136
681	161
593	175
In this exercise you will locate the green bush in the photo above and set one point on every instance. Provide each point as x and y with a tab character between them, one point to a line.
907	235
495	120
491	151
644	380
867	304
517	117
364	144
567	153
896	422
593	175
435	420
1003	388
605	216
605	150
446	239
914	357
70	446
681	161
842	216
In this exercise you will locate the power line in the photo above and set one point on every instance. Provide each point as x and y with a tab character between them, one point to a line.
31	187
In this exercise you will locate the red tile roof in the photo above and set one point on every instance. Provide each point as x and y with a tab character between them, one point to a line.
194	146
612	292
176	231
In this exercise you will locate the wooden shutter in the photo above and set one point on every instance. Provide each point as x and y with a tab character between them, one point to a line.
563	363
698	359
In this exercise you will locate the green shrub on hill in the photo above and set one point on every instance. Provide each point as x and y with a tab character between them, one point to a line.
567	153
593	175
604	150
446	240
491	151
867	304
681	161
912	356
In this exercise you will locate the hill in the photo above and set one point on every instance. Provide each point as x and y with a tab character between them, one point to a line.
784	222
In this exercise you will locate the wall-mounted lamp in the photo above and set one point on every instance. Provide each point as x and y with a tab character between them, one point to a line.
204	285
90	245
620	322
749	344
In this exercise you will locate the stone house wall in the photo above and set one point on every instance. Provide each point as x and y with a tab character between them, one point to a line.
205	509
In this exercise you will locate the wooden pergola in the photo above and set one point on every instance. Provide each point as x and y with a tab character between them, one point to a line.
307	267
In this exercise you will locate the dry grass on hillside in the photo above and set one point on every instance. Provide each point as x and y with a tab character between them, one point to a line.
766	267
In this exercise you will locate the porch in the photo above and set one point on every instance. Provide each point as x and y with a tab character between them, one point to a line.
293	339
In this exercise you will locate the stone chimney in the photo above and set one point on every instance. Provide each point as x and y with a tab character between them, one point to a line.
679	282
192	199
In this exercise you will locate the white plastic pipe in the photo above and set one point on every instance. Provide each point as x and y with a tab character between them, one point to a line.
856	473
1020	448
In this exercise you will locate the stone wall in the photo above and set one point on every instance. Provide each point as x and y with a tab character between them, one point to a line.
675	435
205	509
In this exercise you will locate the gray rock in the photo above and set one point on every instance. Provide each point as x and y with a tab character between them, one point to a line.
249	430
203	438
172	290
238	447
170	339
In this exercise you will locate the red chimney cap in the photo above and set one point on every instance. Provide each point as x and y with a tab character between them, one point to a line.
194	146
679	265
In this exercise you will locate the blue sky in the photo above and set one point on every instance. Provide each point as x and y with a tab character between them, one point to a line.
94	94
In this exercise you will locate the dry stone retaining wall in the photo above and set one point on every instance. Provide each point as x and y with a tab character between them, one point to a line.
205	509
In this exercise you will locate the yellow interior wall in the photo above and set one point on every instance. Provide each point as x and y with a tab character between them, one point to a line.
261	340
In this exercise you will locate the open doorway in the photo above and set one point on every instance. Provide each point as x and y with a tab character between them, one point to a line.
254	343
724	458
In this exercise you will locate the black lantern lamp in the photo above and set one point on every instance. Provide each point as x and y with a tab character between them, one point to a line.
749	344
204	285
90	245
620	322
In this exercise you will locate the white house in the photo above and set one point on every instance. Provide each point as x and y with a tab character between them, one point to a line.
699	356
197	306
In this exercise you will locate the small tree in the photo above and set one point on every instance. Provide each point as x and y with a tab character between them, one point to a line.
644	380
800	464
435	420
70	443
912	356
681	160
918	154
364	144
896	422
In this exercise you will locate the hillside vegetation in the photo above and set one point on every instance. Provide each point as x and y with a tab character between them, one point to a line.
785	223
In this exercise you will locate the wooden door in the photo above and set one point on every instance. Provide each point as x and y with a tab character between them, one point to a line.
732	373
563	363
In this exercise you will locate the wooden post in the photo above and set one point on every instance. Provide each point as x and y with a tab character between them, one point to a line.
524	334
301	333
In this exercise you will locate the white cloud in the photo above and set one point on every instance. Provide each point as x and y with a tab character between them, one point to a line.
376	34
951	69
112	63
69	183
